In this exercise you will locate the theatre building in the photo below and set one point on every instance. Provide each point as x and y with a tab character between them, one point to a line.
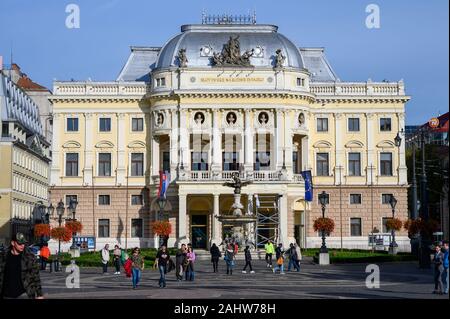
223	97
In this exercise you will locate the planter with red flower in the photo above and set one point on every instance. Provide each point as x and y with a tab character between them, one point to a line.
42	230
163	229
74	226
62	234
420	226
325	226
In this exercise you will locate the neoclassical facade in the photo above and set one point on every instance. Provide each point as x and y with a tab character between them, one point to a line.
224	98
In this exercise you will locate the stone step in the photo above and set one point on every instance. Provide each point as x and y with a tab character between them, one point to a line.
205	255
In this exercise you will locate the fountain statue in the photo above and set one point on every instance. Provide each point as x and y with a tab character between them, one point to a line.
242	228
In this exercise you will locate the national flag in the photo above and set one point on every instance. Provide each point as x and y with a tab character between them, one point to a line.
164	181
308	185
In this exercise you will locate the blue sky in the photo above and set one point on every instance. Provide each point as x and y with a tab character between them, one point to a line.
412	43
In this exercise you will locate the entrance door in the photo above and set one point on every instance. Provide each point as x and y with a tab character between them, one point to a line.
199	231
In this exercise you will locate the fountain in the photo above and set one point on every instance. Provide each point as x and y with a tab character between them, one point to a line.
237	219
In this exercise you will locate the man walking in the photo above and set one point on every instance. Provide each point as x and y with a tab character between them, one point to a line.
180	258
248	260
293	258
438	270
269	252
105	258
19	271
445	264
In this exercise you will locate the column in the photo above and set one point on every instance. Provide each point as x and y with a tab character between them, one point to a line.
284	220
155	155
339	150
182	213
279	139
174	160
371	159
216	225
306	165
122	161
248	135
288	141
216	143
184	140
88	148
56	173
402	169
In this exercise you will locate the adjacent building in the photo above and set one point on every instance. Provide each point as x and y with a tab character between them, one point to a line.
220	98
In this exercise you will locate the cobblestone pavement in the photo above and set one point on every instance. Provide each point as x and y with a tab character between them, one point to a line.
397	280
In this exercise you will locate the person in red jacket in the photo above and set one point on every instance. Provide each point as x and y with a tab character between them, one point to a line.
44	255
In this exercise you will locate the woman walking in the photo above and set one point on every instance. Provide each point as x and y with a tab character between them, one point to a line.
117	254
190	259
162	260
137	265
180	258
248	260
229	258
215	255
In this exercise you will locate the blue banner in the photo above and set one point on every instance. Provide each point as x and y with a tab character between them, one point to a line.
308	185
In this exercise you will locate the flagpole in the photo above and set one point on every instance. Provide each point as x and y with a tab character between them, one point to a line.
126	212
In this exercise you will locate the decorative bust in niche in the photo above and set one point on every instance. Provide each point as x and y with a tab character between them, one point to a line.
160	119
301	119
199	118
231	118
263	118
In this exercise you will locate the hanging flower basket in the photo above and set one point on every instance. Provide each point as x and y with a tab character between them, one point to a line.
324	225
162	228
61	233
74	226
42	230
426	228
394	224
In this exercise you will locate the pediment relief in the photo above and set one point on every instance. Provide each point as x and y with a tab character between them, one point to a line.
104	144
322	144
386	144
71	144
354	144
136	144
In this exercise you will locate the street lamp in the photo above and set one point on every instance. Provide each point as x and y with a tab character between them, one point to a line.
72	208
323	202
393	244
60	212
162	203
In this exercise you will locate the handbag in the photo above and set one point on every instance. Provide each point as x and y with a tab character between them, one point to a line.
280	261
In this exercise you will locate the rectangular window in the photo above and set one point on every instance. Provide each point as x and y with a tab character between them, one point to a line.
105	124
136	228
355	199
136	200
295	163
300	82
262	161
104	164
71	197
322	164
327	199
137	124
137	164
385	124
72	164
386	164
72	124
103	228
199	161
384	221
160	82
5	130
166	161
104	200
354	164
355	227
230	161
385	198
322	125
353	125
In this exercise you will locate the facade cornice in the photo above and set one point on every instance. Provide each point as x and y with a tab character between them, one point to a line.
95	99
361	99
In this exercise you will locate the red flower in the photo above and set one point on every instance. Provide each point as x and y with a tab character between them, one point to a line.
162	228
324	225
41	230
74	226
416	226
61	233
394	224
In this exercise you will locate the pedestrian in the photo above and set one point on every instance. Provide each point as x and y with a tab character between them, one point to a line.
279	254
438	270
236	247
162	262
229	259
298	256
215	255
269	253
248	260
137	265
293	258
445	264
190	260
105	259
117	254
180	258
19	271
44	255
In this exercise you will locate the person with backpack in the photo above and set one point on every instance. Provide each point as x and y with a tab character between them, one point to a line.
279	253
162	262
229	259
117	253
180	258
248	260
137	265
190	259
269	248
215	255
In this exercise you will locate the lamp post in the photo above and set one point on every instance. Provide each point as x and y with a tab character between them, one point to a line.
60	212
72	208
393	245
323	202
162	203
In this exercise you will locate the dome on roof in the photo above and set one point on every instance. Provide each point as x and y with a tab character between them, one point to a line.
202	41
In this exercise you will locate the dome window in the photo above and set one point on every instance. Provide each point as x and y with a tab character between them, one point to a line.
258	52
206	51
